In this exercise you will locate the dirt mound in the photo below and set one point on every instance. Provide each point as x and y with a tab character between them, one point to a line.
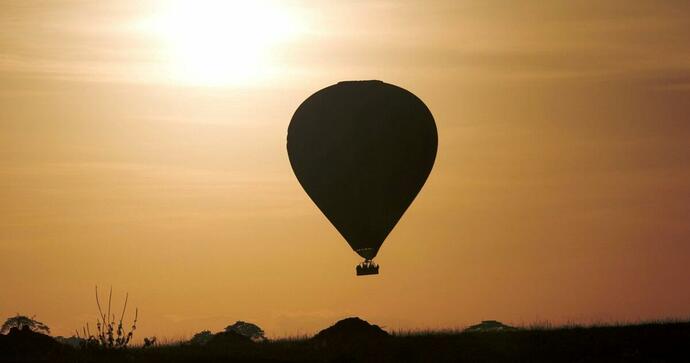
350	330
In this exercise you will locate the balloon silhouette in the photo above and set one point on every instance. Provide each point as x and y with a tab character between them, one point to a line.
362	150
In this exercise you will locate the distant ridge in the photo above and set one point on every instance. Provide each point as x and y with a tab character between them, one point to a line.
489	325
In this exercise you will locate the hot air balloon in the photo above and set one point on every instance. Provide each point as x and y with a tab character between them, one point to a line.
362	151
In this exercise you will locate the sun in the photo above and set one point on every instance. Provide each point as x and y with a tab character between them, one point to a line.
214	42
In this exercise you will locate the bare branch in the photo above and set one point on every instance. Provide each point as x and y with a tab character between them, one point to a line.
110	298
124	308
100	311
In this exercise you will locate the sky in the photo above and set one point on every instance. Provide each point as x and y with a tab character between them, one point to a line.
142	146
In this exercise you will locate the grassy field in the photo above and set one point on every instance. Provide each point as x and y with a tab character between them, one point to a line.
651	342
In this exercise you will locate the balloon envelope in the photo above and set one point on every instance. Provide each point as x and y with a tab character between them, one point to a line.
362	150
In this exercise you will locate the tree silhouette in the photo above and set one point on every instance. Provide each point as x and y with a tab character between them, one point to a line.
201	338
21	322
249	330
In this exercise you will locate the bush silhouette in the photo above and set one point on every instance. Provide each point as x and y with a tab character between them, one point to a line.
109	334
201	338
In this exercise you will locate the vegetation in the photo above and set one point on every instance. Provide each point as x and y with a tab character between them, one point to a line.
354	340
655	342
21	322
149	342
201	338
249	330
110	335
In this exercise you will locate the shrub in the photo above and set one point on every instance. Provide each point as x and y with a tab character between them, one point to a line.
149	342
109	335
201	338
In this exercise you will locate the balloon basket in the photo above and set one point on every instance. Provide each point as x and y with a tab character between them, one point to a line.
368	267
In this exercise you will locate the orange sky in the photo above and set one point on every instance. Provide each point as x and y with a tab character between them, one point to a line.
142	145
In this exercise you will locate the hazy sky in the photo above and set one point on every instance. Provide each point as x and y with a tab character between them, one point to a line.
142	145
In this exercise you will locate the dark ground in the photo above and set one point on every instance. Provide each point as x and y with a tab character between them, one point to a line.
353	340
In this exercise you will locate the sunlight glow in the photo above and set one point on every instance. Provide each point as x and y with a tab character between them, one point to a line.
214	42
